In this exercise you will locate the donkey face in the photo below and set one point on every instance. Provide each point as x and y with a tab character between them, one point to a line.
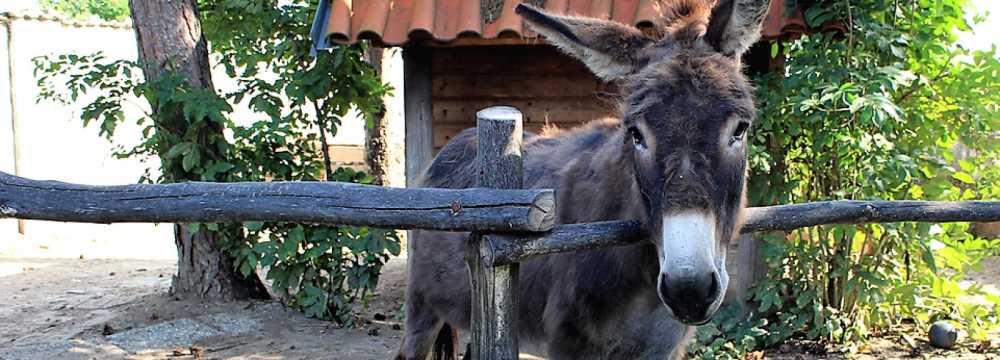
687	109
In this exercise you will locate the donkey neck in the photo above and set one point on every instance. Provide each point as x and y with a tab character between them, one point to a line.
598	184
595	178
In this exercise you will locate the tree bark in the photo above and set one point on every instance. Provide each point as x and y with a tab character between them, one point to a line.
169	37
377	135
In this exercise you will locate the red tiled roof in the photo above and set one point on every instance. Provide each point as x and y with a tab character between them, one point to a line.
397	22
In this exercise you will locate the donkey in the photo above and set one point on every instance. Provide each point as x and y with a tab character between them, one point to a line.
676	161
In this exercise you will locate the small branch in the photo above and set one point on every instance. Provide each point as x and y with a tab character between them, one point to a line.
321	124
331	203
915	87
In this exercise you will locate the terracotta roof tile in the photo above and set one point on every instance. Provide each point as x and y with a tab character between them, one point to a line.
398	22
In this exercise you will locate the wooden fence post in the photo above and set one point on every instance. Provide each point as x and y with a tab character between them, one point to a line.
750	268
494	289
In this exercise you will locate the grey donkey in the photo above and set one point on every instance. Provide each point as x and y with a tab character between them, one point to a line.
675	160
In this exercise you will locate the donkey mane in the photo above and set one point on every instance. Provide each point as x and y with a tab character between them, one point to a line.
685	20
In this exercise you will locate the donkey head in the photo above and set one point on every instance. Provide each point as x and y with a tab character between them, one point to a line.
686	112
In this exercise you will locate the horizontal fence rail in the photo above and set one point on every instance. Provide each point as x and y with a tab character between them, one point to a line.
794	216
505	249
474	209
331	203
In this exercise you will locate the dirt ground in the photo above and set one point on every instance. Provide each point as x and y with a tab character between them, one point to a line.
71	308
119	309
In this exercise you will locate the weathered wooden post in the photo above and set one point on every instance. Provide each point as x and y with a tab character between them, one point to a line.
750	268
494	289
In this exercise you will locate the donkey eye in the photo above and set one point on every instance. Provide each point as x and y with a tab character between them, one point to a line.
741	129
636	136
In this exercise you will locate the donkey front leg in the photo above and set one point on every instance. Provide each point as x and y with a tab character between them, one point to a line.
422	328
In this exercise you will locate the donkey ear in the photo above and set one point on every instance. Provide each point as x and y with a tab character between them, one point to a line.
735	25
611	50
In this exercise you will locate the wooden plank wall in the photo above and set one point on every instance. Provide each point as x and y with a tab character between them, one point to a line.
548	88
417	103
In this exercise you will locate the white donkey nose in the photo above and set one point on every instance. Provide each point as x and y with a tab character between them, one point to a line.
689	282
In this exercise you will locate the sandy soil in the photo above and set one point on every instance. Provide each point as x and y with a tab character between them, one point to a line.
75	309
83	303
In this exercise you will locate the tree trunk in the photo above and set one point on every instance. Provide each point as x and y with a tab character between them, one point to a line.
377	135
205	271
170	32
170	38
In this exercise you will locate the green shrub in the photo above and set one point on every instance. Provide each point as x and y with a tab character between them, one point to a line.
320	270
871	114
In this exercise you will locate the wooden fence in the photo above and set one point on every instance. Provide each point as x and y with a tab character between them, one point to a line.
508	225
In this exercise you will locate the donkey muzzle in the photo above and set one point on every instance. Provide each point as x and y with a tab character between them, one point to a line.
692	269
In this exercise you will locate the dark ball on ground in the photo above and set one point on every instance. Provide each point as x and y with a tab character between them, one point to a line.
943	335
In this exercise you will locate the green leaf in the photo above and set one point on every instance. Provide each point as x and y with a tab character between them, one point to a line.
180	149
245	268
393	247
928	258
253	225
963	177
191	160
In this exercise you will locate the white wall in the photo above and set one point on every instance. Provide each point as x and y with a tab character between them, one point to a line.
55	146
19	5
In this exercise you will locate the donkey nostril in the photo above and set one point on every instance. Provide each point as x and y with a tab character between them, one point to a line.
690	296
713	287
704	289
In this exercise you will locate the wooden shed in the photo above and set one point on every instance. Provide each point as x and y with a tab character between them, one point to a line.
460	56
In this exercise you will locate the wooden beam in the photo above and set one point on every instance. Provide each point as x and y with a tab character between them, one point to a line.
515	248
440	209
475	40
794	216
494	288
751	267
508	249
418	111
307	202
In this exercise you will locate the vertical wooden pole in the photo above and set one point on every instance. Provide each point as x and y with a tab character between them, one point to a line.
751	267
11	74
418	111
494	289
